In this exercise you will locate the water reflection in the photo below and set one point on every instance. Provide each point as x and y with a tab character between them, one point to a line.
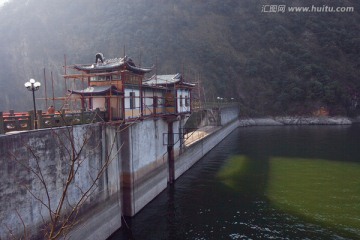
245	174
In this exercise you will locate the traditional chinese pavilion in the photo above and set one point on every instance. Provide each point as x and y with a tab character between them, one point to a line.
120	89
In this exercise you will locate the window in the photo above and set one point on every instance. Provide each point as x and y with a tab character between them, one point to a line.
100	78
116	77
132	79
187	102
181	100
132	100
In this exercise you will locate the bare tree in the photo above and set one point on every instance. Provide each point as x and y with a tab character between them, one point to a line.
60	200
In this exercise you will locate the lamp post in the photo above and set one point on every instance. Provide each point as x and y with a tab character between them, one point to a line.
32	85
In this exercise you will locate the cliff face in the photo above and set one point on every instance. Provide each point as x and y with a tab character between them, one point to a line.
274	63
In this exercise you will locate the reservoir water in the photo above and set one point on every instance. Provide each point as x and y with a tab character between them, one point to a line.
293	182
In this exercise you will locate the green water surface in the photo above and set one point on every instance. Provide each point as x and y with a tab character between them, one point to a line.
324	192
283	182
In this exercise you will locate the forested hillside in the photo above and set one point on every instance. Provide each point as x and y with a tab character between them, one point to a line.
273	63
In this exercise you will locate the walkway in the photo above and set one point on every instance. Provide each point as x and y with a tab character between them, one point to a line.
199	134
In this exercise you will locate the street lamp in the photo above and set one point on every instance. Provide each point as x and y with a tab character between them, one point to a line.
32	85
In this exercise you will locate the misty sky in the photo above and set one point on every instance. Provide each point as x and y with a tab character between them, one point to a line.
3	1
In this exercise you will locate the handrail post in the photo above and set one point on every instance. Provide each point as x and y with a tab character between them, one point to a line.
31	117
82	117
63	117
40	119
2	130
97	115
16	123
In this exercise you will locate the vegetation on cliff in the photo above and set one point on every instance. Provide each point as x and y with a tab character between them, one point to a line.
273	63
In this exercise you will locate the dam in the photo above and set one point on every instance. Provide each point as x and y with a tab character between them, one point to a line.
117	170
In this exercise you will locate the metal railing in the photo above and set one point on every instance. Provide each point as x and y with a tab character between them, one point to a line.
196	105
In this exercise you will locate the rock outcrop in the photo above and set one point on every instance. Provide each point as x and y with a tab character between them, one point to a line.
278	121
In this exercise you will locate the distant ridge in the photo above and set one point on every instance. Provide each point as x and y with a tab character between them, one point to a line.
274	63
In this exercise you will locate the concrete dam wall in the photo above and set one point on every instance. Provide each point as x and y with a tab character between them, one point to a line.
123	167
36	167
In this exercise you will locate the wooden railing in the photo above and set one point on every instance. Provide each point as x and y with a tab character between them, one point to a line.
26	121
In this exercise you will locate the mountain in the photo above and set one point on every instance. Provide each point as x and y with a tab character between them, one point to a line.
272	62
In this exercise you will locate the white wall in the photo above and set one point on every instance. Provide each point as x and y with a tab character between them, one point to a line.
182	107
98	102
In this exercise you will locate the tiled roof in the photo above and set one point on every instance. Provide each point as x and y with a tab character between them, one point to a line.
166	79
96	90
163	79
112	64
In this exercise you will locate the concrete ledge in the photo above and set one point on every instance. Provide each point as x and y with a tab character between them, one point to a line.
139	191
99	225
196	151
